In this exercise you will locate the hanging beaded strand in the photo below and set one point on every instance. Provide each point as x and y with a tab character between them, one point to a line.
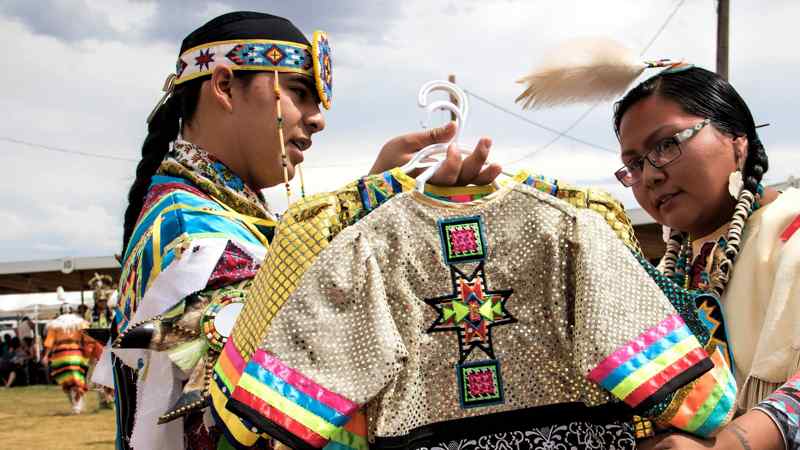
676	238
299	168
284	161
744	207
678	254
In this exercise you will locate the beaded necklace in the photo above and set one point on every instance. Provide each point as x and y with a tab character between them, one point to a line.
691	271
678	257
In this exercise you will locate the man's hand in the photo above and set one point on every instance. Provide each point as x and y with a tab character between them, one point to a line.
454	171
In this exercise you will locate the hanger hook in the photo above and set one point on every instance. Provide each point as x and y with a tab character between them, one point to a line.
459	110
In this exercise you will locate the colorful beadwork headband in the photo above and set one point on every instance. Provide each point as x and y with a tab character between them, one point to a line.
265	55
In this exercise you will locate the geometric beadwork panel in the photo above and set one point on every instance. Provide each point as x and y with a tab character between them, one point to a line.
462	239
471	311
480	383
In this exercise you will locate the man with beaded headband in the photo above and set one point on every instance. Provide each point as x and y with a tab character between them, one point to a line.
235	118
693	157
100	317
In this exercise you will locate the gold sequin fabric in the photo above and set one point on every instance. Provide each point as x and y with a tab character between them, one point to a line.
303	232
359	323
609	208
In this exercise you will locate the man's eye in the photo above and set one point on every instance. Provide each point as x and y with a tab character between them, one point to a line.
300	92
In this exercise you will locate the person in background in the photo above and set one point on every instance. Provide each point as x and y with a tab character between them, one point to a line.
26	328
100	317
10	364
65	350
5	346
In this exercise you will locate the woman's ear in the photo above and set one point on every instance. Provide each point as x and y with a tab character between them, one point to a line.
740	146
221	83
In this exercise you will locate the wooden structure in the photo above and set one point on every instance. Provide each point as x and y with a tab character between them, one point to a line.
25	277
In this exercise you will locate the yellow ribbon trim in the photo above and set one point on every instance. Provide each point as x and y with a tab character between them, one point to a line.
644	373
242	434
308	419
250	222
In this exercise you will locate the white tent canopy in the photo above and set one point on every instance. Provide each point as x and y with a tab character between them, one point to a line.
20	303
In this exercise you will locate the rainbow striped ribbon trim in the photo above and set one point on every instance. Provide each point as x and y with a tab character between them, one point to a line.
284	403
709	403
658	362
227	372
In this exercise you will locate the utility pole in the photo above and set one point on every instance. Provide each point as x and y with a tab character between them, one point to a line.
723	15
452	78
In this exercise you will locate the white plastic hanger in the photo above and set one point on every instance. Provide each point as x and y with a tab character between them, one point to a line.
423	158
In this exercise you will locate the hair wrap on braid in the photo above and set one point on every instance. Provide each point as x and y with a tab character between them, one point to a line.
705	94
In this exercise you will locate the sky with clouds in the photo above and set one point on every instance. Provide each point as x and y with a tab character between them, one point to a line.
83	75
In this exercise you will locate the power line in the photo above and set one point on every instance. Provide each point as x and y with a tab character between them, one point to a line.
583	116
122	158
65	150
537	124
662	28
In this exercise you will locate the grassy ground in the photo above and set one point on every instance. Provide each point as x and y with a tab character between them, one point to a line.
39	417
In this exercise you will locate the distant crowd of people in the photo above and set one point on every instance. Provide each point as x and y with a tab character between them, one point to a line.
20	357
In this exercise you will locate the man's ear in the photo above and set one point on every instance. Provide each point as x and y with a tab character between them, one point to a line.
221	84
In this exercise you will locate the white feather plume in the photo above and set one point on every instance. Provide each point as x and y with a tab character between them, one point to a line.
581	70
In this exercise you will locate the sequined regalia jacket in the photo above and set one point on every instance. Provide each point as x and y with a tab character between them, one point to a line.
466	322
308	227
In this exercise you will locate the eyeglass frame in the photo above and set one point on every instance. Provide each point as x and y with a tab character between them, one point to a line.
678	138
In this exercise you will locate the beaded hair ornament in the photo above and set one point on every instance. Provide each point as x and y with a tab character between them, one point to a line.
265	55
592	70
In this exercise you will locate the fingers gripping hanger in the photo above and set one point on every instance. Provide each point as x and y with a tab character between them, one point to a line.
460	111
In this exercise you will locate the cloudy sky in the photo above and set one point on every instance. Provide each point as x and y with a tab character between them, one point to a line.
82	76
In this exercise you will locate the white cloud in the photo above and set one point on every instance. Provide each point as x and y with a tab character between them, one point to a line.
90	90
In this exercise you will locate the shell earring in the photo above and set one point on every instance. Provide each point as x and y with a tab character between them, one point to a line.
735	184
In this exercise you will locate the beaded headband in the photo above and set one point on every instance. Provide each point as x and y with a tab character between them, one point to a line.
266	55
263	55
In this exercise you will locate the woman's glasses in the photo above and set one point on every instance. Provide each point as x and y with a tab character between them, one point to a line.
664	153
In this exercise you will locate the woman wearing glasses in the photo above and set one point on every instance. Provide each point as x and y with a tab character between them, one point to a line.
694	161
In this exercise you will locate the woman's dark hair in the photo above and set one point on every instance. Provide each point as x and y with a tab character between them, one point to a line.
705	94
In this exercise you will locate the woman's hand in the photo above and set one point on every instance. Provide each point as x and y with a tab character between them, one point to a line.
753	430
455	171
676	441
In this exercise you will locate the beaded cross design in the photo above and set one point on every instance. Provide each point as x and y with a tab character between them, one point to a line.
471	311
